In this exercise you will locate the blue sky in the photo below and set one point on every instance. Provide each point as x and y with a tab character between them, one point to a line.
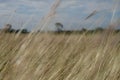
71	13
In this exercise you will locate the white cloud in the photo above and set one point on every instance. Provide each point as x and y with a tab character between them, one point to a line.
70	3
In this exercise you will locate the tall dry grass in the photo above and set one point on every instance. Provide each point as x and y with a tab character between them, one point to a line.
49	56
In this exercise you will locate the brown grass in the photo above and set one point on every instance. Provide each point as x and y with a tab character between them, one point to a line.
60	57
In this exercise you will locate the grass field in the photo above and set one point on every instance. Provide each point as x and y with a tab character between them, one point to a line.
49	56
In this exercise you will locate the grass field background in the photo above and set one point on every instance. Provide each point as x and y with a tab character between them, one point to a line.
48	56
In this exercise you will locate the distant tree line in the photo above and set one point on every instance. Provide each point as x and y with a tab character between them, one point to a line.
8	29
87	31
59	29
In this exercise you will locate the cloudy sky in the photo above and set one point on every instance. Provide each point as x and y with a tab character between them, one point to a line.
71	13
